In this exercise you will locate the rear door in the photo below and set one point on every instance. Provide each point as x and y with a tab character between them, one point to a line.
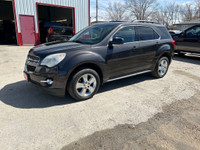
189	40
149	43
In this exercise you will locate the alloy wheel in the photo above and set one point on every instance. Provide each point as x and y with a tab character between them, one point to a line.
86	85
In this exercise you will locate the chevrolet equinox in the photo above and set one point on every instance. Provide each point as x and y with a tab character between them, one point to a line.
97	54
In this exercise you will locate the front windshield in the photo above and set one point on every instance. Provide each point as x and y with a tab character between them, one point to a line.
93	34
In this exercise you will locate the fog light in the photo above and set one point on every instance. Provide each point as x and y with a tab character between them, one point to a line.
48	81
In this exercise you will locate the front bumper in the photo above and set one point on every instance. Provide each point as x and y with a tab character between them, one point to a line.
37	74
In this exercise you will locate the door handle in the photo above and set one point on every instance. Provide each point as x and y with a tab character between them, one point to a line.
157	43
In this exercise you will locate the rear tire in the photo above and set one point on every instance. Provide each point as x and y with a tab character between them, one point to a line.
83	84
161	67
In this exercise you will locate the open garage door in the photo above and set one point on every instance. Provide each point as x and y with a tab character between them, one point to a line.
55	22
7	23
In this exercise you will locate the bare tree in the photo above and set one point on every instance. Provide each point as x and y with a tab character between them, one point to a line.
116	12
141	9
197	9
167	15
187	12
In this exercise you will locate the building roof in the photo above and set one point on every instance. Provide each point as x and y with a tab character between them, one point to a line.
192	22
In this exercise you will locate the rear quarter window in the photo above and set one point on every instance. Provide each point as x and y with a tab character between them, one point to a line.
146	33
164	33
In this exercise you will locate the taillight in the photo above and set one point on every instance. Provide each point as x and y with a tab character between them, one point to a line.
173	43
50	31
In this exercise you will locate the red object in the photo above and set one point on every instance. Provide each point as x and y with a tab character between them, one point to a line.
37	39
50	31
173	43
74	32
19	39
27	29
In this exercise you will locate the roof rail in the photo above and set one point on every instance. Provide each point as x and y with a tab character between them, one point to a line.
117	21
145	21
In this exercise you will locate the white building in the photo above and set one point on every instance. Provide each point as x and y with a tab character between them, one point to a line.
21	20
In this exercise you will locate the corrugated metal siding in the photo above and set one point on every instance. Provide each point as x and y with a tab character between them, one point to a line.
28	7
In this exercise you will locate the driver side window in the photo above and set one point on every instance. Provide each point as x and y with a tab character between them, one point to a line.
193	32
127	33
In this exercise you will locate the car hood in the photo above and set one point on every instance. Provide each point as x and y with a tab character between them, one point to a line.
55	47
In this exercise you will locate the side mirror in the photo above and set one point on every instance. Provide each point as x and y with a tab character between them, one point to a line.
116	40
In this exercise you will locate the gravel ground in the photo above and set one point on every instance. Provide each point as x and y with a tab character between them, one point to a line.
31	119
176	128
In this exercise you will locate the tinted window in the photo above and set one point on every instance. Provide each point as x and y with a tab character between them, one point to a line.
127	33
147	33
193	32
164	33
93	34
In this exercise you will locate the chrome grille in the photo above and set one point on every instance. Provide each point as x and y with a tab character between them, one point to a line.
33	58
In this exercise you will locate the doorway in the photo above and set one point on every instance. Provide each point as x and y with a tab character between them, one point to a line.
7	23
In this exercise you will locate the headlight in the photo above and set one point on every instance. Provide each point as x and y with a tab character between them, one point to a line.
53	59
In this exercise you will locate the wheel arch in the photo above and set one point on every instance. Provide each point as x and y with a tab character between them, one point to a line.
168	55
90	65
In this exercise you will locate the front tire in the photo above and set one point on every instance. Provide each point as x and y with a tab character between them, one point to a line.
84	84
161	67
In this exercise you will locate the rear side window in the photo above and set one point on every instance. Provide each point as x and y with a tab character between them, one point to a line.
127	33
164	33
146	33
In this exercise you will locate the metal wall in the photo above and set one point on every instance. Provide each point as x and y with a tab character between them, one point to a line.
28	7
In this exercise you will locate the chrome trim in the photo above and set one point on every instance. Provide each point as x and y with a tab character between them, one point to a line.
130	75
111	38
33	60
48	81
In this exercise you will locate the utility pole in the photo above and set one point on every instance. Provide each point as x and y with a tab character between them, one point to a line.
97	10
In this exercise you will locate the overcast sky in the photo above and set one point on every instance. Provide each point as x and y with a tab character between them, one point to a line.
104	3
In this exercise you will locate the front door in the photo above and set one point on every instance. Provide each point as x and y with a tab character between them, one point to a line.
189	40
27	30
123	59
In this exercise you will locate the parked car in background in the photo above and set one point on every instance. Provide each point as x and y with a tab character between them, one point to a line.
174	32
188	41
98	54
54	31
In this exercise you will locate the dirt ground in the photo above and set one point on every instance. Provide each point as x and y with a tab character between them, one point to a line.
31	119
176	128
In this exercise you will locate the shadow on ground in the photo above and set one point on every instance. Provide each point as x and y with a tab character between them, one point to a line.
194	59
24	95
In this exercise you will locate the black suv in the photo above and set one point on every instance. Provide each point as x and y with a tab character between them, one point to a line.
188	41
97	54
